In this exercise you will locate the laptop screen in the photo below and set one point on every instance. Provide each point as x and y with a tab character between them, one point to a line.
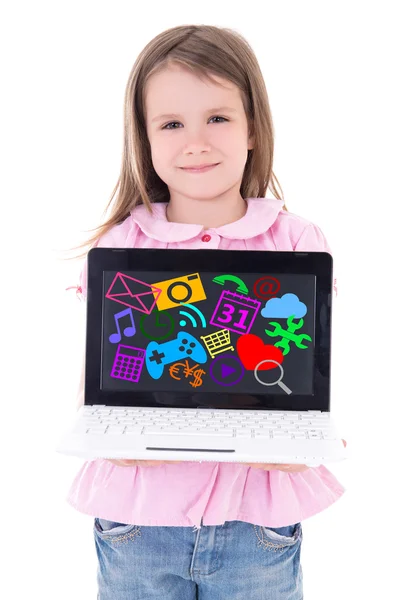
208	332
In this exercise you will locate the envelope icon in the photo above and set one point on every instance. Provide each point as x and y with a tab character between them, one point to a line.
134	293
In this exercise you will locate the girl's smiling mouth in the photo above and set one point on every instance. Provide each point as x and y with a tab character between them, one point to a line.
199	170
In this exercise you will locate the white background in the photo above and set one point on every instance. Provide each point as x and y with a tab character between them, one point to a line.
332	80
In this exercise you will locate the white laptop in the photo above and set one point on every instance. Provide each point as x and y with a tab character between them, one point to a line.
207	355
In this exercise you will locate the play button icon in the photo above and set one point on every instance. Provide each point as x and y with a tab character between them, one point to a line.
226	370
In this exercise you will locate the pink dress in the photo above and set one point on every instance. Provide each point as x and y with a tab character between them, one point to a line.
183	494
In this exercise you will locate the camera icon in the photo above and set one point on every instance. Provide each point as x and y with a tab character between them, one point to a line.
180	290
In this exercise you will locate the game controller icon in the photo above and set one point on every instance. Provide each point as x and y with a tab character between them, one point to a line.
183	346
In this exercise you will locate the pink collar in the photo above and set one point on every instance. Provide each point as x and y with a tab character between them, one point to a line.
261	214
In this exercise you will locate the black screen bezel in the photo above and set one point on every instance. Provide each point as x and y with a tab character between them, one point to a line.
319	264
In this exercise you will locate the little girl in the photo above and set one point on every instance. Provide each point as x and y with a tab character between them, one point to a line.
197	162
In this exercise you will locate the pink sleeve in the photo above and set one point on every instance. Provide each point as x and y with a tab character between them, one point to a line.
83	276
313	240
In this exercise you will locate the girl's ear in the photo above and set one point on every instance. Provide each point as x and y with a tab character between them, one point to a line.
251	143
252	138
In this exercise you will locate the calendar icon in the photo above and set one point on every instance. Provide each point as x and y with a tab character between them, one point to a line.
235	312
128	363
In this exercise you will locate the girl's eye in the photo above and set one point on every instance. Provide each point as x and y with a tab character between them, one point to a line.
173	123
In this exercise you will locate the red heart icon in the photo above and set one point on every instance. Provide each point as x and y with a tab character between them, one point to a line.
252	350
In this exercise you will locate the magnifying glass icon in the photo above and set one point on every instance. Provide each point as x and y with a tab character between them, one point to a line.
279	380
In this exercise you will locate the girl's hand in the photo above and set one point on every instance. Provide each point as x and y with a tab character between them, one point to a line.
279	467
141	463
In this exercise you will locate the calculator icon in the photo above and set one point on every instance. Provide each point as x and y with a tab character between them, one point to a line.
128	363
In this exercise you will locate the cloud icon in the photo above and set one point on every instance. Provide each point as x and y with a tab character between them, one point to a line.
285	307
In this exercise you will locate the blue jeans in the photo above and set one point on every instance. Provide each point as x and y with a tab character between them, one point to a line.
237	560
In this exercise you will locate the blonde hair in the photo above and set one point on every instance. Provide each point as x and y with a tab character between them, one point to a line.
205	50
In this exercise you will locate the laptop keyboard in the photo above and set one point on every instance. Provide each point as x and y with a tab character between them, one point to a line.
229	423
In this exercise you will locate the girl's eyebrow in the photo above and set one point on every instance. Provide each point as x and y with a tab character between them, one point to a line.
210	110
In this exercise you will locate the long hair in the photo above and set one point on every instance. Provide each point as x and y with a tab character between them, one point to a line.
205	50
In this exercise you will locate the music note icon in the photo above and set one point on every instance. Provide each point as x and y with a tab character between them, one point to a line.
128	331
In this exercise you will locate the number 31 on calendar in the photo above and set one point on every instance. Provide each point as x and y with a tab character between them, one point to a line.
235	312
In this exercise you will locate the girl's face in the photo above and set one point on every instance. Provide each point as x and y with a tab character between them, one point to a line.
190	122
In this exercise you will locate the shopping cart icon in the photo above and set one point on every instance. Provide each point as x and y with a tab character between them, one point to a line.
217	342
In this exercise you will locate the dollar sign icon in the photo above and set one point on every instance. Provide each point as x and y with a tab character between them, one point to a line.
197	378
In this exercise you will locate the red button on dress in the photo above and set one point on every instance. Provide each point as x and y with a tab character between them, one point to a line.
206	238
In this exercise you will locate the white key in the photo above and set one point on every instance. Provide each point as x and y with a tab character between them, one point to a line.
96	430
184	431
243	433
322	416
115	429
263	429
159	430
214	432
133	429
